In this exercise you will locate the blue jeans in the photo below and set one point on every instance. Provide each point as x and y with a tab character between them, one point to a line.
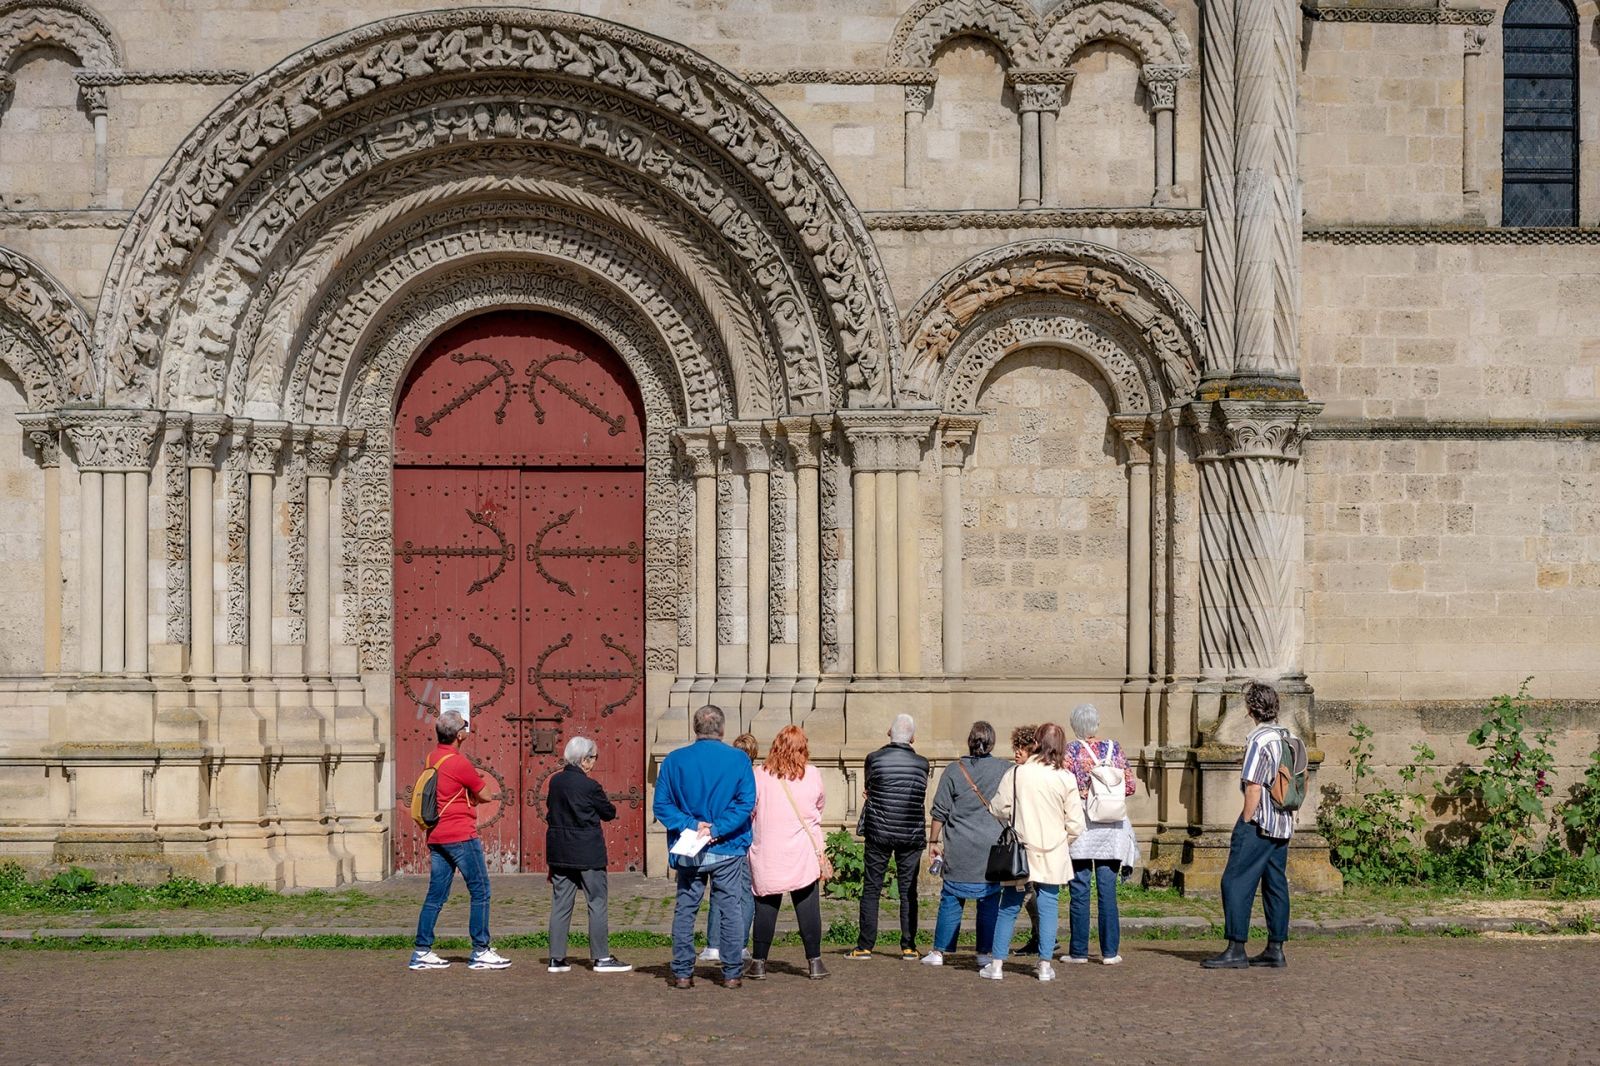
466	856
713	914
1255	860
730	884
952	902
1011	906
1104	872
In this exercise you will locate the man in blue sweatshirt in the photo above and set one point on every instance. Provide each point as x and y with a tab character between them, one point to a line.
708	788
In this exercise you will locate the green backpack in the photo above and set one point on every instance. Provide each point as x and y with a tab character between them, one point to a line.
1289	783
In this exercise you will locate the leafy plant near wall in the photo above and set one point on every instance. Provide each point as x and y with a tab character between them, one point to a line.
1504	835
849	858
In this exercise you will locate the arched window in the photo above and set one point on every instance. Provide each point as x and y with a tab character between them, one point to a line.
1540	147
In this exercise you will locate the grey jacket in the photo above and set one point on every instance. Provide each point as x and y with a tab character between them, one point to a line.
969	829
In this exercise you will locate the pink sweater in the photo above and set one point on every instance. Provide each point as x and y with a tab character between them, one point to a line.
783	855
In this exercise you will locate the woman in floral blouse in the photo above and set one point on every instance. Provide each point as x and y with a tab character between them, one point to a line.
1104	848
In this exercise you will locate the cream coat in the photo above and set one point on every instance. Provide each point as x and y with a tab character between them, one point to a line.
1048	817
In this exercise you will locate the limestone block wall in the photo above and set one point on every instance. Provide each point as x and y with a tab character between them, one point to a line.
1107	108
47	136
973	137
22	636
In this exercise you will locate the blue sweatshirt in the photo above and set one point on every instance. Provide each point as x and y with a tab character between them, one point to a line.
711	782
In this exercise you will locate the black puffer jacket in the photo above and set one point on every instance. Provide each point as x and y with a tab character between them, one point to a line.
574	838
897	794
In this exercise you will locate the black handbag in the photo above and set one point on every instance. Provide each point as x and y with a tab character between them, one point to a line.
1008	859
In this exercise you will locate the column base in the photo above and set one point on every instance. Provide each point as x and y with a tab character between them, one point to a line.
1206	856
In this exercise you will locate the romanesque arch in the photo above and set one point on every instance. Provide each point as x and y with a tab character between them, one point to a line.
44	335
1145	27
66	24
1115	310
297	152
1011	24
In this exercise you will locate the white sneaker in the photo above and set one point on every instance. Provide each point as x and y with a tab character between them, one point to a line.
748	954
427	960
994	971
933	958
984	960
1046	971
488	959
1074	960
1115	960
558	966
710	955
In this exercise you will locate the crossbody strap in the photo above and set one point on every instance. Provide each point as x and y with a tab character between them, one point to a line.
459	793
795	807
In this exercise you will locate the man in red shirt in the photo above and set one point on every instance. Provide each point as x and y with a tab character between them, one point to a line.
454	845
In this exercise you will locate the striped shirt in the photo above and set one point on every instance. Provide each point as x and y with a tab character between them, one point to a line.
1261	768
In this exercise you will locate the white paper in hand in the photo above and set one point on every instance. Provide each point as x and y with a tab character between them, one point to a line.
690	843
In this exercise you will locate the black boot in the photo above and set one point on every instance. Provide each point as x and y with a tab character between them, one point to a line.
756	969
815	970
1234	958
1272	956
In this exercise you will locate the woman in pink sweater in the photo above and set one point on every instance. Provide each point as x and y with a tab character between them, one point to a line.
786	852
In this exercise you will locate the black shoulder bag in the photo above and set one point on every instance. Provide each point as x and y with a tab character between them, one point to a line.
1008	859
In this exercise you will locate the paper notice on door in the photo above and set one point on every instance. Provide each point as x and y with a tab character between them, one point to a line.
690	843
460	702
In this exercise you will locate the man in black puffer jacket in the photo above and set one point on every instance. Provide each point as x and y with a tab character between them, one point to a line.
894	822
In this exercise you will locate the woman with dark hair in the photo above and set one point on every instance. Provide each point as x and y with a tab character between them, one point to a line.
787	850
1040	798
963	832
1258	854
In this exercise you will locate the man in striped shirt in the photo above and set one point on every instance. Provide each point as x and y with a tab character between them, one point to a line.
1258	855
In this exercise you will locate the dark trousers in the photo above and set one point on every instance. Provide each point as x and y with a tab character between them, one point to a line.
564	885
1255	860
907	861
807	911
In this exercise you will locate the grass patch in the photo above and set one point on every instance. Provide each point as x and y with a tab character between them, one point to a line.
77	889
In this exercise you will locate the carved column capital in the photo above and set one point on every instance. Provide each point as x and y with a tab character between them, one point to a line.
43	433
1040	90
1474	39
886	440
800	434
1266	429
324	448
1135	433
266	445
8	85
1161	84
204	439
750	442
112	441
699	451
955	439
93	98
918	98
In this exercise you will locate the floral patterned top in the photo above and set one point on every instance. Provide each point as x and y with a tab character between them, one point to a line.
1081	764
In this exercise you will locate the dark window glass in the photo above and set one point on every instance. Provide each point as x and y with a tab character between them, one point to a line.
1540	154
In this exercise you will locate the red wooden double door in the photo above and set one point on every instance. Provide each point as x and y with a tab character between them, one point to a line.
519	573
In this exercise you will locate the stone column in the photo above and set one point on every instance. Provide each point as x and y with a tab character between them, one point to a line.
955	441
90	569
750	438
887	540
44	436
1161	86
93	98
1210	453
699	452
1039	94
1135	433
205	437
1474	38
266	444
864	538
136	573
799	433
1217	151
918	97
322	456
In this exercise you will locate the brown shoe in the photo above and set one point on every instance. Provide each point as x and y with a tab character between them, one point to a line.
681	982
817	971
733	982
756	969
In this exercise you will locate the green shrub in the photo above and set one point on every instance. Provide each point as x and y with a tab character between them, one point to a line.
849	858
1375	830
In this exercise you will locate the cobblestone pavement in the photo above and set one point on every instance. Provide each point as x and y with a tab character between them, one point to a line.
1372	1000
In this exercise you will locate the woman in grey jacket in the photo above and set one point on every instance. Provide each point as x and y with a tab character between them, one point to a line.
963	833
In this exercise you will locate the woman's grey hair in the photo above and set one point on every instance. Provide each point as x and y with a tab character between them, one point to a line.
980	739
577	750
1085	720
449	726
904	729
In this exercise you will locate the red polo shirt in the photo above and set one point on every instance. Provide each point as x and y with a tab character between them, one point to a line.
457	780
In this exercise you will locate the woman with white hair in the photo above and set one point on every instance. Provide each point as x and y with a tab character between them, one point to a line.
1107	844
575	851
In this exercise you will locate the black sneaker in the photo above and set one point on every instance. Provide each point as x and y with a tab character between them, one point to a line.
558	966
611	964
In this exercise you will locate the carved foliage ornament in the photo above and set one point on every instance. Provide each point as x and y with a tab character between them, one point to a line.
112	440
1072	272
50	352
26	24
203	180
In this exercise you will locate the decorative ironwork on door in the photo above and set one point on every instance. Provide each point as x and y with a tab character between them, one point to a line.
519	577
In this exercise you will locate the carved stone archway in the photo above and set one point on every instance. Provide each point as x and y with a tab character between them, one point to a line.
66	24
386	97
44	336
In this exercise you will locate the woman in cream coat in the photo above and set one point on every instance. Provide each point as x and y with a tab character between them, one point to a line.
1040	798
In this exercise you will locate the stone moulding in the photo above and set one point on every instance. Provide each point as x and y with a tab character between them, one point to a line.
67	24
1455	429
1418	16
185	228
1041	218
70	218
44	335
842	76
1533	235
101	78
1028	38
